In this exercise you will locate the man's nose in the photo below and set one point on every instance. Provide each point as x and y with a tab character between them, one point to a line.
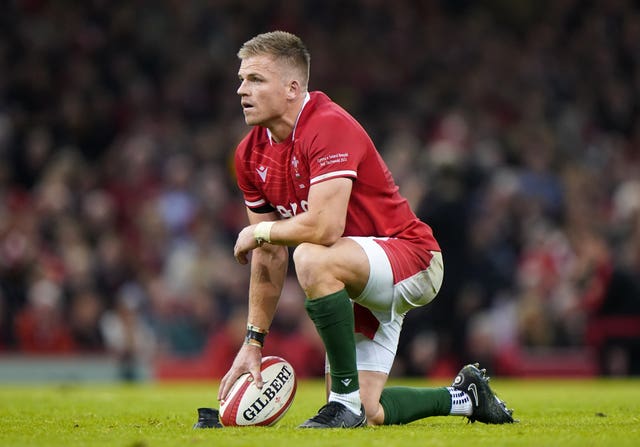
241	89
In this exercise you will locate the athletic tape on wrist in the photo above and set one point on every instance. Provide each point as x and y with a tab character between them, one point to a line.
255	336
262	232
253	342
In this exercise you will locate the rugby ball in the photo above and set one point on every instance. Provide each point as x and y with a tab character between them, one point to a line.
246	404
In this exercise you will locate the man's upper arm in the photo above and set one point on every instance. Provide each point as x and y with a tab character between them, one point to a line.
328	203
255	217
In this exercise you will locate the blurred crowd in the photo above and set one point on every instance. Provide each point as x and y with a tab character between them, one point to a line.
512	127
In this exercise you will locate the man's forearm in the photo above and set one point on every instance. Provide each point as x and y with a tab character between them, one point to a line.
268	272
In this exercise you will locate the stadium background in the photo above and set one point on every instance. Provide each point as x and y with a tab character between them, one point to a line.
512	127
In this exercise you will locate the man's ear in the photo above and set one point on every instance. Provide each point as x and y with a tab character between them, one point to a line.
294	89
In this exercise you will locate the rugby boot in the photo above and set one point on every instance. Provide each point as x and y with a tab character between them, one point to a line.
487	407
336	415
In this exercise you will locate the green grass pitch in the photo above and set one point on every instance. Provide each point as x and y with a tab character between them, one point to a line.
552	413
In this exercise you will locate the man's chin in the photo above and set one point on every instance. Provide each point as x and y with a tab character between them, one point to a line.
251	121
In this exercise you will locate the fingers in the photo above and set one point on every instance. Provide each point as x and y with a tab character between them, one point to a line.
248	359
241	257
225	385
244	244
257	376
239	253
230	378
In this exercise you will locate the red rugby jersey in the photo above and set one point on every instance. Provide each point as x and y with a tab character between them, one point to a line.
327	142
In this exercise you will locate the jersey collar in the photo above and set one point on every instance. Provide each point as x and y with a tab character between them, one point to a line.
307	97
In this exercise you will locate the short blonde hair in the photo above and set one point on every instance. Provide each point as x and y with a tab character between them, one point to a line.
281	45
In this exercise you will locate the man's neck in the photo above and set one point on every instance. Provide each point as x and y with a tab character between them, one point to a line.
281	131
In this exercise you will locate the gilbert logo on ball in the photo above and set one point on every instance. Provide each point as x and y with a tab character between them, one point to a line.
248	405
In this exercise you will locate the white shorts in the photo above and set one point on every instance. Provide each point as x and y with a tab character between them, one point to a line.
386	302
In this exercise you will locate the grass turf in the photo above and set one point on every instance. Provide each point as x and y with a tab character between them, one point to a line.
552	413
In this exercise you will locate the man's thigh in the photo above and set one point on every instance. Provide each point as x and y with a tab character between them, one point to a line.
320	268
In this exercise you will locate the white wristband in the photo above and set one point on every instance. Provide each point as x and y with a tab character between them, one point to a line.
262	232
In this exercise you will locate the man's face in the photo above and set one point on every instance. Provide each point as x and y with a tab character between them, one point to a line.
263	90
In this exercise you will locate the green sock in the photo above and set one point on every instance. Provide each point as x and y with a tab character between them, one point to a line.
403	404
333	317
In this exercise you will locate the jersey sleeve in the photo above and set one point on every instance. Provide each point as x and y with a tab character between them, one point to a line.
253	197
337	149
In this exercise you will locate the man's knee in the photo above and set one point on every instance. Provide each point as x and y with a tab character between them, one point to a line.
375	412
309	263
323	270
371	386
306	256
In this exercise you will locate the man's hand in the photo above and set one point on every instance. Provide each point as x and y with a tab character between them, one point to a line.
249	359
244	244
